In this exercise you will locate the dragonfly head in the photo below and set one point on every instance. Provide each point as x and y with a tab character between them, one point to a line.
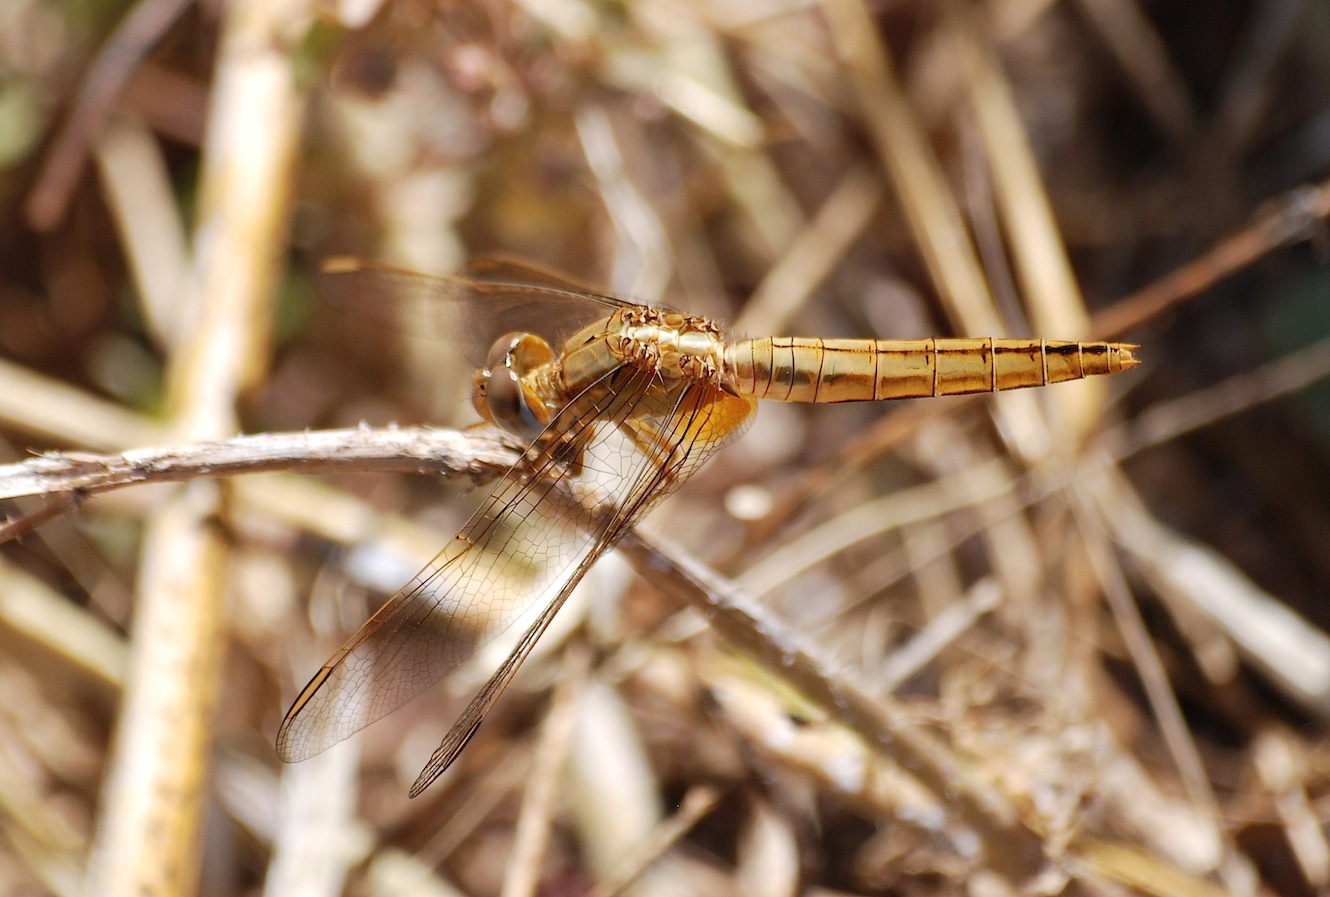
501	392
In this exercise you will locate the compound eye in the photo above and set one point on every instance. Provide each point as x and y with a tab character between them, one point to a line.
501	351
522	352
509	406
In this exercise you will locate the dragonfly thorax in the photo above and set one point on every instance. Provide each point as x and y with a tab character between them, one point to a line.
680	347
672	348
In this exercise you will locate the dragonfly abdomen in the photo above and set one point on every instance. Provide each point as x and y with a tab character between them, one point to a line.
795	369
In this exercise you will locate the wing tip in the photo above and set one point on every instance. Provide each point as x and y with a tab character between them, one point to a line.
445	756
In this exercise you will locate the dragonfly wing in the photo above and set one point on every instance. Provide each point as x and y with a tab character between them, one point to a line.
518	557
666	439
502	270
516	548
471	311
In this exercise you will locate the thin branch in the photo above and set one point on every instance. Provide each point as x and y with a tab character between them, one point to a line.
20	526
696	804
1297	215
479	454
102	85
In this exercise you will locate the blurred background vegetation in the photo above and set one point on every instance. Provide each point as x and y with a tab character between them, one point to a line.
1107	606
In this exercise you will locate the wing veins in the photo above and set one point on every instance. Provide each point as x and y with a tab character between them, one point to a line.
299	735
616	520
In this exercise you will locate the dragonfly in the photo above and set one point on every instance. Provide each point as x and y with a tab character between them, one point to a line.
617	404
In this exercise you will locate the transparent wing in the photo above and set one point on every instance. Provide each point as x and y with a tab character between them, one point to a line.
490	298
515	272
518	558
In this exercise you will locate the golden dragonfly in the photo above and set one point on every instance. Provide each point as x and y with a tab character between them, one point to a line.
618	403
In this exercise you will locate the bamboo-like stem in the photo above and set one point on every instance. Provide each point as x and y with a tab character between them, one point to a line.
149	832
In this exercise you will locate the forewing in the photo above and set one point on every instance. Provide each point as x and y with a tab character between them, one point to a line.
669	436
491	298
518	549
516	561
510	271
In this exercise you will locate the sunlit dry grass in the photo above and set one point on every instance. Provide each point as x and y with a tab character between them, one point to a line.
1064	639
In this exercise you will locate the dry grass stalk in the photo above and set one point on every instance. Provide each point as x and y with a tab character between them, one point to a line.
1059	690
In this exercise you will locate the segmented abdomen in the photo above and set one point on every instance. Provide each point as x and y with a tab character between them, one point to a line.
794	369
